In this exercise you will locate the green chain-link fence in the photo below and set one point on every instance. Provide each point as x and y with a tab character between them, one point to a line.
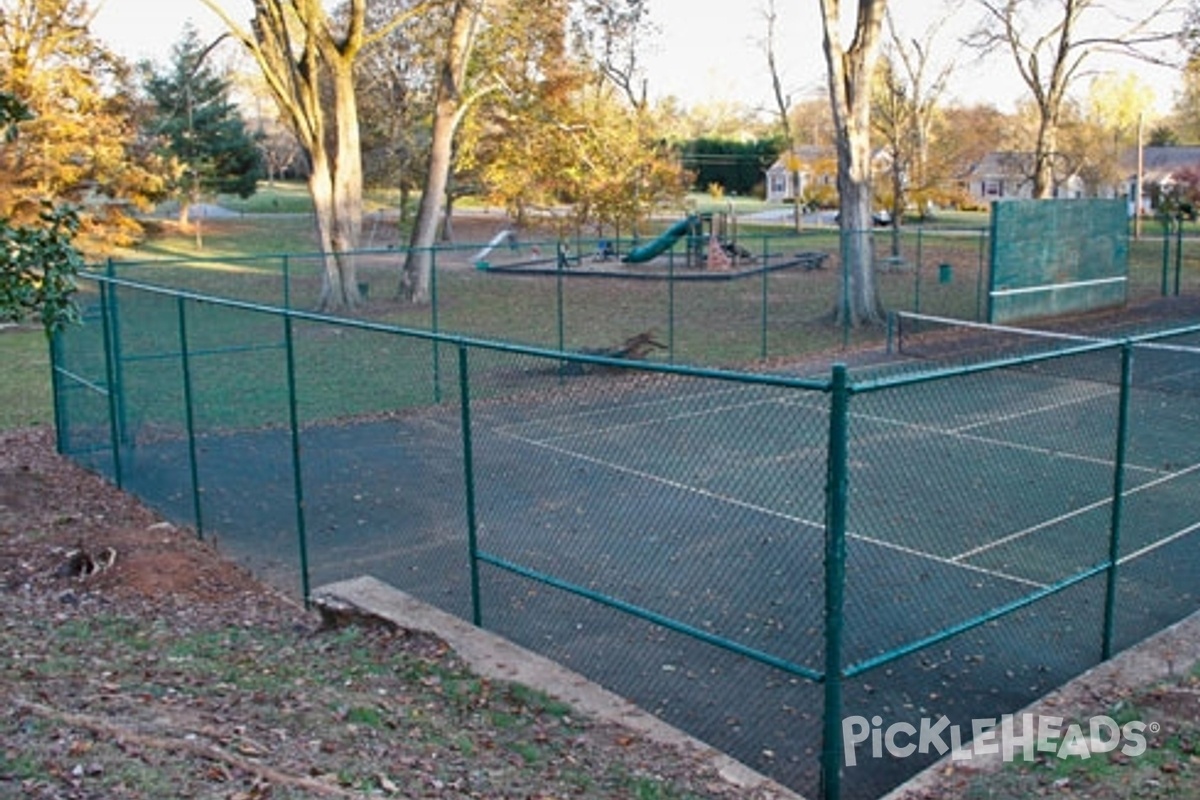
773	300
760	559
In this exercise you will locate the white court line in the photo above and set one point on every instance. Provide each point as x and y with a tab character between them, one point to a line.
1056	287
550	420
956	433
642	423
1074	513
1028	448
733	501
959	432
1038	410
1179	534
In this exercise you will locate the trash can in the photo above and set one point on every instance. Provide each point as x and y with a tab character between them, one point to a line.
945	273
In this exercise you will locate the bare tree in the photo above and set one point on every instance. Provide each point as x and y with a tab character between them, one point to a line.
611	32
453	100
851	70
297	46
1050	41
783	106
910	86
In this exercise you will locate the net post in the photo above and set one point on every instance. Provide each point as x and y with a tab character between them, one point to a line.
1118	492
765	304
559	309
891	332
985	235
1178	254
836	498
1166	253
671	304
917	271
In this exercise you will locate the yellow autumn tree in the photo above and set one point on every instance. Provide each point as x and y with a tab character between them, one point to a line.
80	144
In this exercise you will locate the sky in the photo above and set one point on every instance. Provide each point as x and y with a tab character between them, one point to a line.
704	50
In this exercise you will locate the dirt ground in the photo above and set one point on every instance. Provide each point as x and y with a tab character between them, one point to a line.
141	664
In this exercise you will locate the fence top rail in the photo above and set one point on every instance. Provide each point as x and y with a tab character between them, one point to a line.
457	340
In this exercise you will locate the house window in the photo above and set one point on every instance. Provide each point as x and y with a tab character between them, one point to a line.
992	188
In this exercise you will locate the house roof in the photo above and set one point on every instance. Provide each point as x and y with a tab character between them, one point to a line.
1158	163
807	153
1002	164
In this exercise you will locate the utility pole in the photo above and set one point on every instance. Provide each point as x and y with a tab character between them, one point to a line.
1137	189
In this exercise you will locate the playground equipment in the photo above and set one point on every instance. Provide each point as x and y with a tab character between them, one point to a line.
711	239
656	247
497	240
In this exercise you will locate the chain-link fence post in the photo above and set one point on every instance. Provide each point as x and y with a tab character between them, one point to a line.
464	394
285	267
189	415
1114	536
111	378
434	326
297	468
835	580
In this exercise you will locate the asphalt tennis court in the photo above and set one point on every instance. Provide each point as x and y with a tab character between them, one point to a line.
703	501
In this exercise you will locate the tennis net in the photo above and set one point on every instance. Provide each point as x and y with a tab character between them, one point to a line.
1167	361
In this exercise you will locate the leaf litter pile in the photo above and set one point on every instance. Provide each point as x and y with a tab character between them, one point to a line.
140	664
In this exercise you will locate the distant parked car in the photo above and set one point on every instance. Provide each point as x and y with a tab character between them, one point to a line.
881	218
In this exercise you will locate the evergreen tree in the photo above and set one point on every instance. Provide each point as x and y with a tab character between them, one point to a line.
199	128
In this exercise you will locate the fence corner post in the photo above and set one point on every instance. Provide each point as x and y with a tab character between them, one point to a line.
836	497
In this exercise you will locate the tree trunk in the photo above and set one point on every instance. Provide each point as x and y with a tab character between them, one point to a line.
415	281
448	221
320	188
296	47
418	265
858	293
850	74
1044	155
346	200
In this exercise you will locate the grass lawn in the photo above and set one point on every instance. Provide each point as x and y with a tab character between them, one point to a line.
25	379
269	258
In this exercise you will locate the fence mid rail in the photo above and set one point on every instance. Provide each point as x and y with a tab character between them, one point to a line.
763	559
